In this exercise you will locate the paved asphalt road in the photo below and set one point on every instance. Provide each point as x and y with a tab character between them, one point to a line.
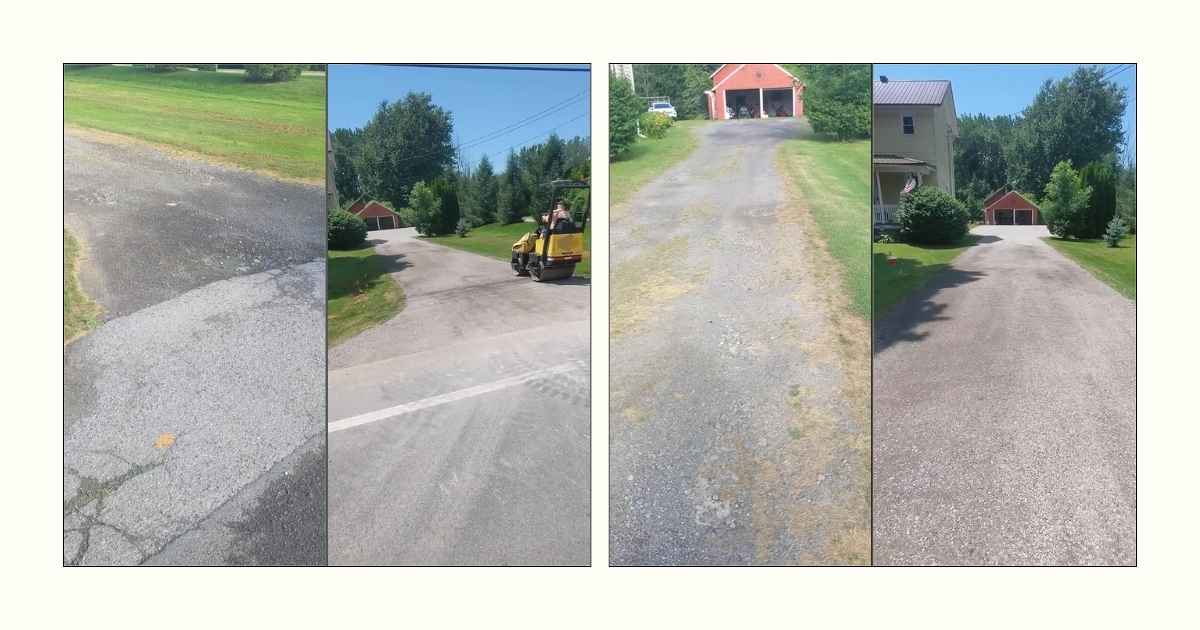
1004	413
459	430
194	414
735	437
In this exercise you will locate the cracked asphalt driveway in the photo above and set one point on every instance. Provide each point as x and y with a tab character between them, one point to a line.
1004	413
193	413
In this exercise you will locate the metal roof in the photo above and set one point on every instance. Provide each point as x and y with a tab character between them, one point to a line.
895	159
910	92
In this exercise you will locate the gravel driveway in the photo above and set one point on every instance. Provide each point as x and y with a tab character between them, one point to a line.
737	435
1004	413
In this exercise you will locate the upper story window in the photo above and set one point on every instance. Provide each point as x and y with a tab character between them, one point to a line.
909	124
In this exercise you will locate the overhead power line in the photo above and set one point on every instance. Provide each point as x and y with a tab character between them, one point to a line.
475	66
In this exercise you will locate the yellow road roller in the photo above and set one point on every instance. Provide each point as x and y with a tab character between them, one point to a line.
552	250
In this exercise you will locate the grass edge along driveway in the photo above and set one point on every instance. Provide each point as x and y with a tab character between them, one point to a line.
273	128
833	180
1114	266
361	292
648	158
495	241
914	266
80	312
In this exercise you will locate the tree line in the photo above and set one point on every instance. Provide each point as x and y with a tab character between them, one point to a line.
405	156
1073	123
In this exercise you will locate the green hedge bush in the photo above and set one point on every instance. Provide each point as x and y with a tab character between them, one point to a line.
161	67
654	125
266	72
346	231
931	216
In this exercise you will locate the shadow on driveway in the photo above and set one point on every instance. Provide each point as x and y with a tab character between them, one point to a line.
901	324
353	275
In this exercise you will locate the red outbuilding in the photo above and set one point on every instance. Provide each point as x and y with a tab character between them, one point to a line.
377	215
754	90
1010	208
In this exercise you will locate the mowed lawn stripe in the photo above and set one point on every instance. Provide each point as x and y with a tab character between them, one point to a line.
1114	266
276	128
833	179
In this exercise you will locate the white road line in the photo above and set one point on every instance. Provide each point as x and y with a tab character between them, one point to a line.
442	399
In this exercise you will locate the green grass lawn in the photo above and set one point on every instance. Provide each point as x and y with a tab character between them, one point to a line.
1115	266
80	313
496	241
276	128
361	293
915	265
648	159
833	179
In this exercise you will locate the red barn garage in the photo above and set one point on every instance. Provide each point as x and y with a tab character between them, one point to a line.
1010	208
377	215
754	90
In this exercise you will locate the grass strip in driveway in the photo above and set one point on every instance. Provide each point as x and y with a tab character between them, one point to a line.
495	240
362	293
650	158
277	128
913	267
833	179
80	313
1114	266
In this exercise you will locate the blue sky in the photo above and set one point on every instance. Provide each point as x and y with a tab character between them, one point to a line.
483	102
1007	88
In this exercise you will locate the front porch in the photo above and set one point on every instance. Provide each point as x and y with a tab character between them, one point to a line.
891	174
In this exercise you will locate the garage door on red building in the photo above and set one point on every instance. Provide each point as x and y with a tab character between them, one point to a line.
754	90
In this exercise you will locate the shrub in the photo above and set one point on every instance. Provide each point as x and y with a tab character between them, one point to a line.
462	228
1115	232
931	216
265	72
1065	201
346	231
654	125
161	67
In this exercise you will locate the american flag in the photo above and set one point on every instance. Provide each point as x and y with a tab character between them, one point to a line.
909	185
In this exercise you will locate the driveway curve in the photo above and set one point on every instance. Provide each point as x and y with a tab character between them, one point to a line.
1004	413
737	433
460	429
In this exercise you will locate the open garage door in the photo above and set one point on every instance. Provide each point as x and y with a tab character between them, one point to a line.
1024	217
778	103
1004	217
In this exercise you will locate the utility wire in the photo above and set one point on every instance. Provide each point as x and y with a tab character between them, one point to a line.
470	66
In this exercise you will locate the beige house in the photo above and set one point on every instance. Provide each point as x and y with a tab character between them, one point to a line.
915	128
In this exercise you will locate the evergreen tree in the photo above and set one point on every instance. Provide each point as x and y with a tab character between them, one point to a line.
623	111
404	143
486	192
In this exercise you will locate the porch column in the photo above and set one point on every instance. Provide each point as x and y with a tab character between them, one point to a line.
878	189
762	113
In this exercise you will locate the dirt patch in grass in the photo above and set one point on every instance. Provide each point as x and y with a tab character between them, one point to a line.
80	313
645	284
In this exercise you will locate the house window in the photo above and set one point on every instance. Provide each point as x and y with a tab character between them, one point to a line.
909	125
